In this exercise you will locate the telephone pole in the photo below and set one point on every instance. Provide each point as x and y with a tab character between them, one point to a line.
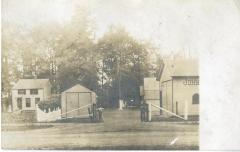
119	77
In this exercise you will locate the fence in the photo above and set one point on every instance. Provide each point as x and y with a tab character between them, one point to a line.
94	113
147	112
44	116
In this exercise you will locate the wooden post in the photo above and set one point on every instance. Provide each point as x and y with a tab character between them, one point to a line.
120	104
186	110
145	112
95	112
90	113
149	118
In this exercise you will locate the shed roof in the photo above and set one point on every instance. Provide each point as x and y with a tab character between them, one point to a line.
180	67
31	83
78	88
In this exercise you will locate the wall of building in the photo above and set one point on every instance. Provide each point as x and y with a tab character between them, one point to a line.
15	95
151	91
176	93
71	101
166	89
183	94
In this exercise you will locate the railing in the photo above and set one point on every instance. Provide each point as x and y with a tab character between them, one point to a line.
168	111
146	112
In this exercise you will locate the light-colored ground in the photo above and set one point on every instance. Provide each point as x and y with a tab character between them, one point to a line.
120	130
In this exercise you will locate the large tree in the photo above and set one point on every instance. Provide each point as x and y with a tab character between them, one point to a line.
124	63
76	56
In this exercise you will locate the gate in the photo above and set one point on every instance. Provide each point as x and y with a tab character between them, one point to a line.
146	112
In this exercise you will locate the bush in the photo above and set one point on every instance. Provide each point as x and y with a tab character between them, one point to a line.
45	105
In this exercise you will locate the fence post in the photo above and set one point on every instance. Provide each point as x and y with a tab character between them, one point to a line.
94	112
149	112
186	110
141	113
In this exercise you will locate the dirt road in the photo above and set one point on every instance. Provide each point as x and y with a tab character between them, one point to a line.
120	130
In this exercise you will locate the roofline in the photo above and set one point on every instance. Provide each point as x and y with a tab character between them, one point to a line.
80	92
166	81
80	85
184	76
25	88
176	77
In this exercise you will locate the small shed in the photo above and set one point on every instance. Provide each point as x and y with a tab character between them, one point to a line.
76	101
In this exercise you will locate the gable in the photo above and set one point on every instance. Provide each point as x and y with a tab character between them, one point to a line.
180	67
78	88
31	84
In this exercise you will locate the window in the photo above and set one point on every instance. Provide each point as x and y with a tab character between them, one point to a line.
19	103
21	91
188	81
37	100
28	102
195	99
34	91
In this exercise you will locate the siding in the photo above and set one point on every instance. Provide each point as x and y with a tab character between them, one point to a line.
15	95
184	93
181	93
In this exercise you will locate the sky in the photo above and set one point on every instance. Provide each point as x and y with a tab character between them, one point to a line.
171	26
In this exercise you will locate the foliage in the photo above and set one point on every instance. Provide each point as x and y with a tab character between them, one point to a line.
52	105
67	54
125	65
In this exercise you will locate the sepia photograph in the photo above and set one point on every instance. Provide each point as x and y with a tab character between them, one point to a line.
101	75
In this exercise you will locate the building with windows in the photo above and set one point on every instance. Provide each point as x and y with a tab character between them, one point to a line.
179	86
26	93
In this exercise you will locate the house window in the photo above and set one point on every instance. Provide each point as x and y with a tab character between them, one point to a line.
21	91
19	103
34	91
195	98
28	102
37	100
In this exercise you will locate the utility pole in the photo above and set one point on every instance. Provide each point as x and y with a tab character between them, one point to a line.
102	74
119	77
139	76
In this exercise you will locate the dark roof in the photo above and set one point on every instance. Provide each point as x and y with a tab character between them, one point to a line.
31	83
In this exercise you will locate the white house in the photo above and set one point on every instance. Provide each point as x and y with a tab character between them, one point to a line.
26	93
179	86
176	88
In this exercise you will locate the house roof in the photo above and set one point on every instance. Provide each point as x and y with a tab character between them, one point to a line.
31	83
78	88
179	67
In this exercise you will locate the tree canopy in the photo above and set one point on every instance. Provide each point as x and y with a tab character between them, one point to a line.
113	66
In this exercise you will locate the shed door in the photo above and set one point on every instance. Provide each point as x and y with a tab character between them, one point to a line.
71	104
77	100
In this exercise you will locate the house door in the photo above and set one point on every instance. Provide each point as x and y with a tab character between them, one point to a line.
19	103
